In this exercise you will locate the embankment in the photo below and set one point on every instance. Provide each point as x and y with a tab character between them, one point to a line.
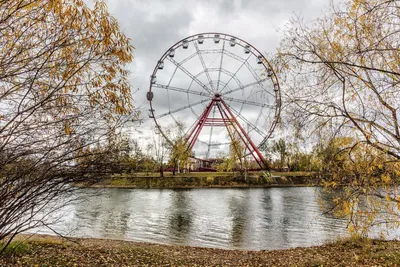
206	181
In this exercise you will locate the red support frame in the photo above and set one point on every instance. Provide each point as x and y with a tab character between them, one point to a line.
199	125
255	149
227	119
260	161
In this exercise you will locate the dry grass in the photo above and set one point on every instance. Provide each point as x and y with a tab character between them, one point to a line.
214	174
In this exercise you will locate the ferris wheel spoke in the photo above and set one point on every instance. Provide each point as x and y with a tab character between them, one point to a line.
202	142
190	75
188	58
178	89
173	118
204	65
247	102
211	51
220	65
243	60
188	99
228	73
213	144
170	80
248	65
254	73
255	128
201	52
214	51
244	87
259	116
211	132
243	63
234	56
182	108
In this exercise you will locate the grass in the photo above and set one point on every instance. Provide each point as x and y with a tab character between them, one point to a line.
213	174
15	248
119	182
293	174
170	174
52	251
207	179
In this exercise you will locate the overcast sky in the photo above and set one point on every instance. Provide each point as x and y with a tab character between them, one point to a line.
155	25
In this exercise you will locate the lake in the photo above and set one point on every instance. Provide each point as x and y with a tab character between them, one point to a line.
250	219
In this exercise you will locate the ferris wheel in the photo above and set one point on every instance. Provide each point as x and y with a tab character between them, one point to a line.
219	87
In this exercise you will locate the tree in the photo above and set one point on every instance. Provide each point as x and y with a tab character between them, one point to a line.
159	147
237	149
342	73
370	194
109	157
63	88
178	147
227	164
280	148
180	153
136	154
147	163
295	159
237	152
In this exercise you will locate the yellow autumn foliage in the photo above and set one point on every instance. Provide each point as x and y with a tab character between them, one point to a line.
81	49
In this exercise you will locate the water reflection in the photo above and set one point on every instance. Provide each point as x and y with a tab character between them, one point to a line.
180	218
238	211
275	216
254	219
103	212
117	215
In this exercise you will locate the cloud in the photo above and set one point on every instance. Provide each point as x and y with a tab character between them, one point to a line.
156	25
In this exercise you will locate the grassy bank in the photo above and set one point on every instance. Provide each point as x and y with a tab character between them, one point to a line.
229	174
205	180
53	251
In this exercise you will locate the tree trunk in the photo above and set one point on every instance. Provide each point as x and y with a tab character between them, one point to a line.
174	169
161	170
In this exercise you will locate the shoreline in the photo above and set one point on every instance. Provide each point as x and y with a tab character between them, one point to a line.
205	180
199	187
51	250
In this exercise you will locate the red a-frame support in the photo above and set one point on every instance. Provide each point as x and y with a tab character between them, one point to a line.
227	119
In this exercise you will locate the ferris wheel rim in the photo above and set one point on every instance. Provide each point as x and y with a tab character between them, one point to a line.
226	37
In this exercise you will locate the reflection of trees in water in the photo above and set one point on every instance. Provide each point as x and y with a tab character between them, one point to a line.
254	218
106	212
87	209
118	215
275	216
326	203
238	207
180	215
368	214
326	197
290	217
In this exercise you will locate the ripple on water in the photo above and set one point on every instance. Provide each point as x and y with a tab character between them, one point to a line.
254	219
